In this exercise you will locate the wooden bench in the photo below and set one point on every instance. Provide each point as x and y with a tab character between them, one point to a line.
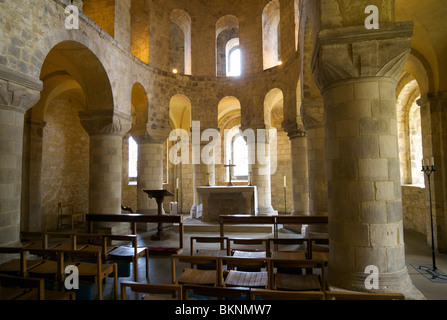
134	219
273	220
243	219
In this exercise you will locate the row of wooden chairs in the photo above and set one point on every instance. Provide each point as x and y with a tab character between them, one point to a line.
112	246
312	247
266	273
50	265
198	292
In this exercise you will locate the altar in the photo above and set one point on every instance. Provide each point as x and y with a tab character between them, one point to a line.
220	200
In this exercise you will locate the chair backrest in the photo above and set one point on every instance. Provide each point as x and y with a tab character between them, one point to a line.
265	294
247	244
21	282
299	264
63	206
216	292
222	241
235	262
274	244
158	289
195	261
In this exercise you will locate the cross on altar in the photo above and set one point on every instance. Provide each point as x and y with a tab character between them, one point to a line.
230	171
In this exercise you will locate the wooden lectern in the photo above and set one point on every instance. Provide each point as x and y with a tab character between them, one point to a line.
159	196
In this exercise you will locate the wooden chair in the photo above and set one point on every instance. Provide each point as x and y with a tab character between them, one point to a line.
154	291
224	249
341	295
303	281
18	264
94	272
318	248
19	288
66	211
129	254
214	293
89	262
250	279
265	294
195	275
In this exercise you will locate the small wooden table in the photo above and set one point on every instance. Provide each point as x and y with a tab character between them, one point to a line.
159	196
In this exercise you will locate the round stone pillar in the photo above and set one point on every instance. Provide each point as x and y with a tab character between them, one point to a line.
364	190
260	174
106	131
15	100
300	181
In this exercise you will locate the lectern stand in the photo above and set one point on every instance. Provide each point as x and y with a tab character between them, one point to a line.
159	196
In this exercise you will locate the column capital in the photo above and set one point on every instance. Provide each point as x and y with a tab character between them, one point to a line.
294	130
105	122
432	97
17	97
146	134
344	54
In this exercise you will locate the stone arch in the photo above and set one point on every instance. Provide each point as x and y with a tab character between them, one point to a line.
79	62
180	37
270	34
180	112
273	103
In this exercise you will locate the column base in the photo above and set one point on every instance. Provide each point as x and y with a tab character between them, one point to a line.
266	211
396	282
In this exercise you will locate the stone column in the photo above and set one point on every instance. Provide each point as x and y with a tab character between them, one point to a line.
150	170
15	100
106	130
357	71
433	111
31	217
203	175
313	120
300	182
260	173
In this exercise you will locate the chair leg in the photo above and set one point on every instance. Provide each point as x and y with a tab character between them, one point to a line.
147	265
135	268
115	281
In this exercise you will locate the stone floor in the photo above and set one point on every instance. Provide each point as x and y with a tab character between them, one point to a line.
417	253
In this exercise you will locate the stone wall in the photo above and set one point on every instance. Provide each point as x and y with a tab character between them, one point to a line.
414	208
65	159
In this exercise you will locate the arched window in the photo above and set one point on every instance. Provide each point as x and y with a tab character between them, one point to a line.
240	158
234	62
133	159
271	35
415	130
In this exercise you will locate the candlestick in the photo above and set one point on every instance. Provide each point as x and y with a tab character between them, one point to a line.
176	185
285	181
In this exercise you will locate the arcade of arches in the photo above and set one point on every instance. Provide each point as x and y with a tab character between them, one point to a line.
356	111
